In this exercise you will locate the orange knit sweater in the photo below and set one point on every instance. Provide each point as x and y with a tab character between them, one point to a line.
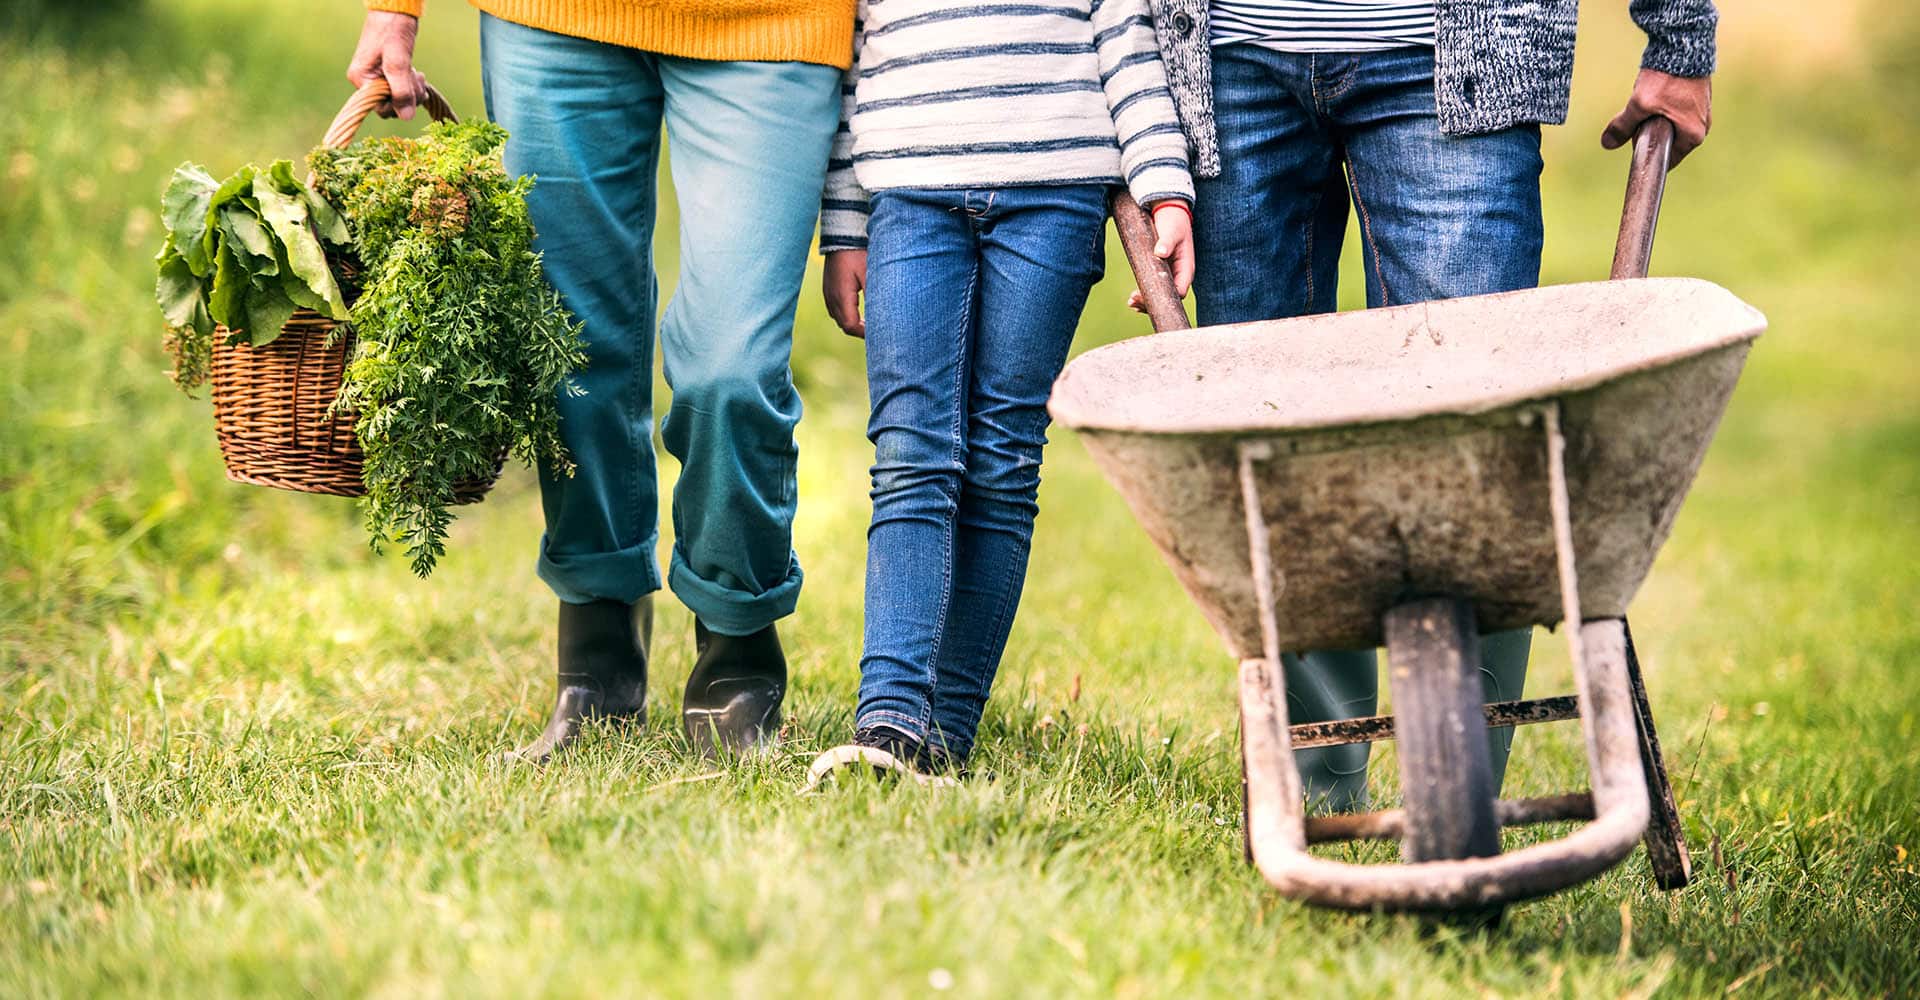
813	31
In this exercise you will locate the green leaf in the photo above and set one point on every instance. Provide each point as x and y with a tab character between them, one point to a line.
287	216
328	223
280	172
268	309
203	320
184	210
230	283
244	228
238	186
177	290
296	289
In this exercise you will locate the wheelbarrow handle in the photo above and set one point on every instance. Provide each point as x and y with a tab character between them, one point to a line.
1154	275
1646	182
1632	252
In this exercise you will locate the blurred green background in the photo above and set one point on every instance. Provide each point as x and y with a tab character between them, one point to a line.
241	754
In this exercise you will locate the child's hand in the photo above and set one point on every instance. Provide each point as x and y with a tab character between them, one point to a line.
845	279
1173	224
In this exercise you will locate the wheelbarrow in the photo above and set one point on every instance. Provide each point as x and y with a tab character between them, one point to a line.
1414	477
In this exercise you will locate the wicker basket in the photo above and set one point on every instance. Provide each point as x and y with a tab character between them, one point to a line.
270	402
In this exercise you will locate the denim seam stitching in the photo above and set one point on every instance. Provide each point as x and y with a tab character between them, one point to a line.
1309	224
958	453
1343	84
1366	233
635	388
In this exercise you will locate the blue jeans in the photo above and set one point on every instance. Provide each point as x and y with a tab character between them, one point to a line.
750	144
1302	137
972	300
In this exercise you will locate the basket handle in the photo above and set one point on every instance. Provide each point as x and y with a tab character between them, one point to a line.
1646	183
373	95
1154	276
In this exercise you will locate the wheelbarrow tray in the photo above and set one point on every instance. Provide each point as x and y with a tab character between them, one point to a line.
1406	452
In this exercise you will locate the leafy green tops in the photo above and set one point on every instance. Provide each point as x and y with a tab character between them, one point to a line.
461	346
242	253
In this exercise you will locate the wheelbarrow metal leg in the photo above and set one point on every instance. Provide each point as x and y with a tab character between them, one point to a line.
1666	836
1275	815
1632	258
1276	829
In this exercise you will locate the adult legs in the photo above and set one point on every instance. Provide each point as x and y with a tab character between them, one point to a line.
585	118
1268	233
749	154
1041	251
1441	217
1268	229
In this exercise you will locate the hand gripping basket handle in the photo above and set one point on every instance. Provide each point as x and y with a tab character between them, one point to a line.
1153	275
1646	182
371	96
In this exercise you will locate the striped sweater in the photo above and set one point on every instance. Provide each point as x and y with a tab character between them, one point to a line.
1323	25
980	93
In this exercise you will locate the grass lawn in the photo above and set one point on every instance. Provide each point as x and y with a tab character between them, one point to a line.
241	754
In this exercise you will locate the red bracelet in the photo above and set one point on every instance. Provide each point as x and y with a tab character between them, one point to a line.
1172	203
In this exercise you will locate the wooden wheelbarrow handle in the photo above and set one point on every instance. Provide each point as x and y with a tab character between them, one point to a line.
1153	275
1632	253
1646	182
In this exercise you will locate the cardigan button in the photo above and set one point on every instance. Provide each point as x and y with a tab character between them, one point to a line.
1182	25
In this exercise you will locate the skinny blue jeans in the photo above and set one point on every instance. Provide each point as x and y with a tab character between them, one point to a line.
1302	137
972	300
750	143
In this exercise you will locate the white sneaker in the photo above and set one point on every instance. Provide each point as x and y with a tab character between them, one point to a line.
882	763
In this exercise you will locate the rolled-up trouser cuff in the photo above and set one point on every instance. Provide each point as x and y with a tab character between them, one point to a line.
892	720
729	611
624	575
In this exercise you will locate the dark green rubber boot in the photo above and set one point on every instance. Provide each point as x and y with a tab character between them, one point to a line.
734	693
603	671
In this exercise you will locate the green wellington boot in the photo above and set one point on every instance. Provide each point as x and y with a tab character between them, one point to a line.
603	671
734	693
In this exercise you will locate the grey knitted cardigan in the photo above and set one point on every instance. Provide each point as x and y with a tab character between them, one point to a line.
1497	63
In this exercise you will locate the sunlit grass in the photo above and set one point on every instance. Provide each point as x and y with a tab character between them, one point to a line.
240	754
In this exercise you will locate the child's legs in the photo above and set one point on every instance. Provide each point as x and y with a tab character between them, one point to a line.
1040	254
922	293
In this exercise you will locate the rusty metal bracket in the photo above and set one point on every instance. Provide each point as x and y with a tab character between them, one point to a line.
1377	728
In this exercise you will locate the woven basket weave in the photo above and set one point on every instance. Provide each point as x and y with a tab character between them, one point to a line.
270	402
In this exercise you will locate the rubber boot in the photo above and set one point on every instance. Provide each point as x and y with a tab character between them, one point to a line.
1322	686
1344	684
734	693
603	671
1503	675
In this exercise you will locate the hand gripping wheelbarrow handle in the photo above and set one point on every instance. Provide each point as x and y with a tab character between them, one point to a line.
1152	274
1632	253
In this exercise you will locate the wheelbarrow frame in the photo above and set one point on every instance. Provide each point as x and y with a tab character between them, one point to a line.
1450	829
